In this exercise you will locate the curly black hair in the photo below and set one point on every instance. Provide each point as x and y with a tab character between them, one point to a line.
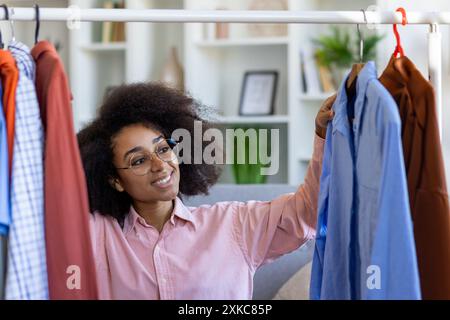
155	106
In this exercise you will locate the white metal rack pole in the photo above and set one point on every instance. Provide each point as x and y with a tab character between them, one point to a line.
232	16
432	18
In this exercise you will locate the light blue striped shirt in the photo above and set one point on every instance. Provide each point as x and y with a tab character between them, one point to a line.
26	276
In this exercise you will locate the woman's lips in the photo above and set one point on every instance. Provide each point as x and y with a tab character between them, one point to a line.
164	182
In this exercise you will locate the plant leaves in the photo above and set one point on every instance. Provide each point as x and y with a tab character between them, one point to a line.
339	49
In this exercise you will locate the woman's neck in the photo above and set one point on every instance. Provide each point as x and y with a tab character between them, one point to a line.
155	213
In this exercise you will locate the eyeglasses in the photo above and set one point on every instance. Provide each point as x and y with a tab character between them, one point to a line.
140	162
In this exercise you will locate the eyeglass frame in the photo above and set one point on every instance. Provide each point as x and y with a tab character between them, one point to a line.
174	142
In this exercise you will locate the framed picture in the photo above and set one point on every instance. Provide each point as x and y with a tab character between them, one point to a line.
258	93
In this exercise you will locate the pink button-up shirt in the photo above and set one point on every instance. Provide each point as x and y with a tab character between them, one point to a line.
207	252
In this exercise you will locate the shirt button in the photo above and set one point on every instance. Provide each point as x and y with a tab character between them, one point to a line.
163	280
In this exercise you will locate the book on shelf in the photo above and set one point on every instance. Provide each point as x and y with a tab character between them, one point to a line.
303	73
107	25
312	81
113	31
118	30
326	79
315	79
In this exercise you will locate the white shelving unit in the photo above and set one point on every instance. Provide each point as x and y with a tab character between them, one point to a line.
221	43
106	65
226	61
214	70
119	46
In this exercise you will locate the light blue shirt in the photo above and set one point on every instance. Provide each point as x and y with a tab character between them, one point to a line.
364	244
5	204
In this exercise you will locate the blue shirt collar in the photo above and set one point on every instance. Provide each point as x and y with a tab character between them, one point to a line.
340	120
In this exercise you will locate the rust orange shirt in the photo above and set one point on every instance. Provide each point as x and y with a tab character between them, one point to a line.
70	261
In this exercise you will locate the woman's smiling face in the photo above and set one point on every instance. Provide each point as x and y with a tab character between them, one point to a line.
151	179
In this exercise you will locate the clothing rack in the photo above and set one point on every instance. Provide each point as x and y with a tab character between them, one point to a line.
434	19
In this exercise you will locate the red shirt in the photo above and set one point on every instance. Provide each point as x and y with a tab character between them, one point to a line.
70	261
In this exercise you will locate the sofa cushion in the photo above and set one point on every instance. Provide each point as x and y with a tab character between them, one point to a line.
297	287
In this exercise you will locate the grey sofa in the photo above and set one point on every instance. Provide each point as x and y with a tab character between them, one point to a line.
270	277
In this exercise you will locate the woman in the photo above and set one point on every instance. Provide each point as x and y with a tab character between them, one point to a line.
147	243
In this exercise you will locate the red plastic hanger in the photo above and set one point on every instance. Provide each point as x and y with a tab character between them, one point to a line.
398	47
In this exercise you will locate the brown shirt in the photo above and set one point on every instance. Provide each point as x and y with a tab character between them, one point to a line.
70	260
427	188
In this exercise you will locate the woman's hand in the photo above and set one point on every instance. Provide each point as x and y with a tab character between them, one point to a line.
324	115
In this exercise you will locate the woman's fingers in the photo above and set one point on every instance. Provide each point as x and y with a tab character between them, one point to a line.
326	114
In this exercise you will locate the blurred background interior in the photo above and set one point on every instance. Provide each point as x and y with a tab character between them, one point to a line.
210	62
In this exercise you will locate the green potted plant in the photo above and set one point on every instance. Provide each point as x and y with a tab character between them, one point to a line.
339	50
247	173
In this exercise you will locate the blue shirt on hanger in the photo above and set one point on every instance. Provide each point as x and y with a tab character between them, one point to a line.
5	205
364	244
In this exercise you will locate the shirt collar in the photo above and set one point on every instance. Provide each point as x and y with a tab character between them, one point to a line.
400	73
179	212
366	75
43	47
340	120
7	60
22	54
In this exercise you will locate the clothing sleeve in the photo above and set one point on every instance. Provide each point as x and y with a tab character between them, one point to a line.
94	231
322	220
396	268
266	230
103	277
97	232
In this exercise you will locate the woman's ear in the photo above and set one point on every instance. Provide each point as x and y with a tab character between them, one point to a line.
115	183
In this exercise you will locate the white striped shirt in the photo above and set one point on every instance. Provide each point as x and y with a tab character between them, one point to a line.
26	267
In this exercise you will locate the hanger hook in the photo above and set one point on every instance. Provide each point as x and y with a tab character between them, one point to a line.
7	17
5	8
2	45
360	37
398	47
11	23
38	23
